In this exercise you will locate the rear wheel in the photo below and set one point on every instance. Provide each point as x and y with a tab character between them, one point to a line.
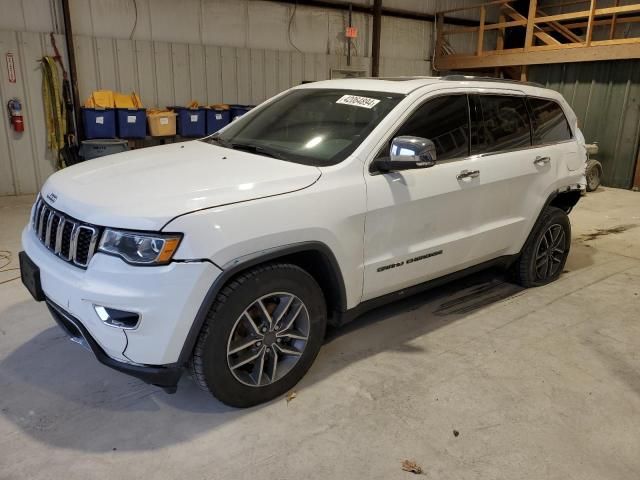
261	335
593	174
545	253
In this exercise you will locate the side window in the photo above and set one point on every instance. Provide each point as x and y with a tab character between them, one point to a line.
443	120
549	123
501	123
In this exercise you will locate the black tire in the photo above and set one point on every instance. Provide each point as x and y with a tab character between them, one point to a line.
593	174
528	269
211	368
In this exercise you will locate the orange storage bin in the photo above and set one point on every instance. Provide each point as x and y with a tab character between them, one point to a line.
162	123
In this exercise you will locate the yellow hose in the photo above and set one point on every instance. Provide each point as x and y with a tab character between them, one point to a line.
54	109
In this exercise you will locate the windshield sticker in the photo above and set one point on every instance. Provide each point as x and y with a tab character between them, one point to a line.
356	101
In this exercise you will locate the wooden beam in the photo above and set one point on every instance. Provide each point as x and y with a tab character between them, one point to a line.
565	4
538	55
528	39
562	16
537	31
500	39
487	26
604	21
561	29
616	41
612	30
619	9
480	46
590	23
503	25
511	12
546	38
598	12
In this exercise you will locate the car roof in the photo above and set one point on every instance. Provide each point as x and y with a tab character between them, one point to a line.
402	85
406	85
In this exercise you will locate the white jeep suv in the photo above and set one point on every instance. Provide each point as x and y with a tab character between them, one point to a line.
231	254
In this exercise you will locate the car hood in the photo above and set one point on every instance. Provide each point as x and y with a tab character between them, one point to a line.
144	189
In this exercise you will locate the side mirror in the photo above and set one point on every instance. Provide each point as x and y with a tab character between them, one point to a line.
408	153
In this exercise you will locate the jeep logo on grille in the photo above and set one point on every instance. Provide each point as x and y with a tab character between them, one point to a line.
52	197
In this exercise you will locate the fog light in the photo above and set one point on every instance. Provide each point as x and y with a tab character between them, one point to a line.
117	318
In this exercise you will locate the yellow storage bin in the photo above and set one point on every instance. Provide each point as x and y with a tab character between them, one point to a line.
162	123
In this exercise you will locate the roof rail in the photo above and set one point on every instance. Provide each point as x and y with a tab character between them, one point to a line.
470	78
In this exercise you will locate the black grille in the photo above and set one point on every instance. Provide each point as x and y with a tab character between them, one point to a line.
65	236
83	245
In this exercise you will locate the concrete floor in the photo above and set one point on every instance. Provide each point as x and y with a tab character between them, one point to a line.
542	383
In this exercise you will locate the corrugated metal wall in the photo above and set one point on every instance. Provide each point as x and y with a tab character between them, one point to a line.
606	99
25	162
176	73
172	52
163	73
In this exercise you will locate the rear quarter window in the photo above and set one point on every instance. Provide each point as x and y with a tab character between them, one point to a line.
549	122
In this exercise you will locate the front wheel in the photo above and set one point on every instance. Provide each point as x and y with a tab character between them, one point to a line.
261	335
545	253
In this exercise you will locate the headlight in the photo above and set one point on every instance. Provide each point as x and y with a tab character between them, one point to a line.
140	248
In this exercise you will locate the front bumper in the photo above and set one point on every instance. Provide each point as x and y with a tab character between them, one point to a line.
165	376
166	297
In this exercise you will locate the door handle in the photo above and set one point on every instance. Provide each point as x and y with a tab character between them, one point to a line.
468	174
541	161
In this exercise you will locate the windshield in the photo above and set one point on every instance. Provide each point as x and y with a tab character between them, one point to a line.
317	127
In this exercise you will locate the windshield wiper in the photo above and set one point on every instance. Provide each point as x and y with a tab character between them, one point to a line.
219	141
258	149
247	147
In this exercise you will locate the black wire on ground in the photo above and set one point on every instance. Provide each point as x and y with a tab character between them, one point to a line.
5	261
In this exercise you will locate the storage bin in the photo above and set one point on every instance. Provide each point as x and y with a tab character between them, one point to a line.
218	116
191	121
161	123
239	110
99	122
132	123
90	149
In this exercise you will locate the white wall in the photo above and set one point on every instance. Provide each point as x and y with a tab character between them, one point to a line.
235	51
167	74
25	161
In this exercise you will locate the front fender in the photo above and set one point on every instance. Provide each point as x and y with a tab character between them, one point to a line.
335	219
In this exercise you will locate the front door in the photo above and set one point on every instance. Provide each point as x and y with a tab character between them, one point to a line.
417	224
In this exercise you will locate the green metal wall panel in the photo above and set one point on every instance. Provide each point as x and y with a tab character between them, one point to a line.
605	97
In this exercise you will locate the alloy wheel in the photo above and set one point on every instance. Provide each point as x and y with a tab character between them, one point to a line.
550	252
268	339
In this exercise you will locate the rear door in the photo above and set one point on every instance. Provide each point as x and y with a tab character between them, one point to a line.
521	143
501	143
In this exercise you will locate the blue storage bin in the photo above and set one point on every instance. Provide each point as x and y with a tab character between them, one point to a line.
191	121
216	119
99	122
132	123
239	110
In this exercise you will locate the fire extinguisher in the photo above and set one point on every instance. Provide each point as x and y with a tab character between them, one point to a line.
15	115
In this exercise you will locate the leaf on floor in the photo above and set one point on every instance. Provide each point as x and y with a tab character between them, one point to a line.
291	396
411	466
